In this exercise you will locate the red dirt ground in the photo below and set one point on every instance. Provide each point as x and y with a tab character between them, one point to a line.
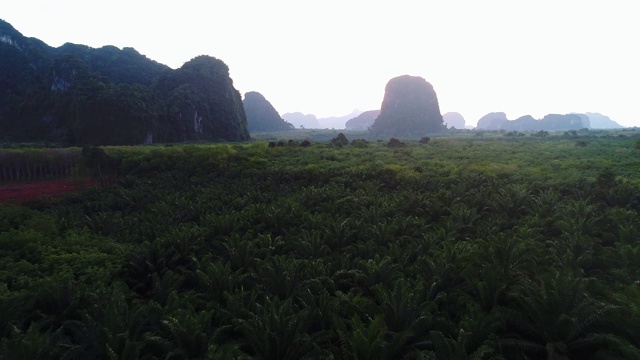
35	190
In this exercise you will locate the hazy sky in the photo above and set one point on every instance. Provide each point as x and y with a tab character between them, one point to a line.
330	57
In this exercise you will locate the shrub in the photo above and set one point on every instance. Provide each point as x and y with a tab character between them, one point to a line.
395	143
340	140
541	134
359	143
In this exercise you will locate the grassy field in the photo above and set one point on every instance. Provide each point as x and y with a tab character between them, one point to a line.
468	247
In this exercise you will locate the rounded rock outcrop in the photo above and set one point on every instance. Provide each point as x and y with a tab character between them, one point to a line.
410	109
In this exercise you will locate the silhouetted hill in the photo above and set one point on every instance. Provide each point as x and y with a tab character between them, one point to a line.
261	115
492	121
299	119
75	94
599	121
551	122
453	119
559	122
202	102
410	109
362	121
126	66
337	122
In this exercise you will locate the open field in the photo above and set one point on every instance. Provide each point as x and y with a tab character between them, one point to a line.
485	247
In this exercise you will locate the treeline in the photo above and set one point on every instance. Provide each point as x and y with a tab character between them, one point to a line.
38	164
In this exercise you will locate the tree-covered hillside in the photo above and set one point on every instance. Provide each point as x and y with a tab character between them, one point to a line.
79	95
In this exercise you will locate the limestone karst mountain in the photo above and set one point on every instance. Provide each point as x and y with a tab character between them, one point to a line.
261	115
599	121
410	109
492	121
453	120
550	122
78	95
362	121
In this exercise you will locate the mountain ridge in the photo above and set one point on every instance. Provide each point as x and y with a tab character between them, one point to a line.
78	95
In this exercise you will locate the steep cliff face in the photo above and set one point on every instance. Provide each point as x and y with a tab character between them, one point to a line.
261	115
79	95
202	103
410	109
599	121
23	69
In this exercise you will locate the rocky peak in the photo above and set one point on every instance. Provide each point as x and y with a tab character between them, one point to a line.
454	119
261	115
410	109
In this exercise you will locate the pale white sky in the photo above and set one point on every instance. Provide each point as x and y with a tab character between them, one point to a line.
330	57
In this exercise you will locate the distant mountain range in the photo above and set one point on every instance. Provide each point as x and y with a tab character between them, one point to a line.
310	121
550	122
78	95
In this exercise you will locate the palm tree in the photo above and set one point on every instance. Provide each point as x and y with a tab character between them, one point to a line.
556	319
275	330
31	345
512	255
408	315
366	340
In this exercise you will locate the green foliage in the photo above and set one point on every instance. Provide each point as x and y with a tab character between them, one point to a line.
490	248
340	140
359	143
395	143
37	164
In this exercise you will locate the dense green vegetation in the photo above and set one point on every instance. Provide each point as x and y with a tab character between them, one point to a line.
463	248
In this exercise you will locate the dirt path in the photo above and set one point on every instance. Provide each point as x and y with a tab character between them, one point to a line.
36	190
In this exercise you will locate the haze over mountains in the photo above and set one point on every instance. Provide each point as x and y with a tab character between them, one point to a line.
550	122
310	121
77	95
